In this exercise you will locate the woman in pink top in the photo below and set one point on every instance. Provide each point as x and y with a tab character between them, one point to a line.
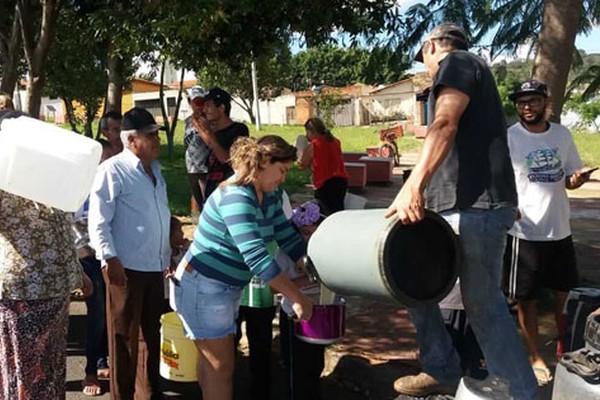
324	156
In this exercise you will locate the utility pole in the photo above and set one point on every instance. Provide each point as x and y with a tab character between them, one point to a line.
255	92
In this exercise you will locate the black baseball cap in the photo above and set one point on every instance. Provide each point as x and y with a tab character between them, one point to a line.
448	31
528	88
218	96
140	120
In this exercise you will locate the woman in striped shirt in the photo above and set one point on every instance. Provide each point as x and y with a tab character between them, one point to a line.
241	226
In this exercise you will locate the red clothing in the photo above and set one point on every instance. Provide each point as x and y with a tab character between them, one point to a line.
327	161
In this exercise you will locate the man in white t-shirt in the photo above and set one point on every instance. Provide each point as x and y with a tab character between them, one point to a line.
539	250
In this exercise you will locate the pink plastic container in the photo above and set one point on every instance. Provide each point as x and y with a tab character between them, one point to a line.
326	326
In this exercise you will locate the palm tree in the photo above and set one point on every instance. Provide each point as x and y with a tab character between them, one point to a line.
549	26
588	78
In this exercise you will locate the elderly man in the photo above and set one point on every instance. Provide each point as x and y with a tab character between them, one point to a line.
129	230
466	171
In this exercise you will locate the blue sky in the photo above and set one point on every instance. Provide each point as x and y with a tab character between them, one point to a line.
591	43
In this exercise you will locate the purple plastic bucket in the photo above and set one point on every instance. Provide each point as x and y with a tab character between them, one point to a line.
326	326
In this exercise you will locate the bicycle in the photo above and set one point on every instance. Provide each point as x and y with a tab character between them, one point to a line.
389	147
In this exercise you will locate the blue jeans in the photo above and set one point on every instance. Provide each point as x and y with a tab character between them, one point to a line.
96	339
482	236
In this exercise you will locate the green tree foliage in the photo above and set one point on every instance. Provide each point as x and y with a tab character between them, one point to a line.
508	75
327	103
587	81
76	71
338	66
588	110
549	26
271	70
10	46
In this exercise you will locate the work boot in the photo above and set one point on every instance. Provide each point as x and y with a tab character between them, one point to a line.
421	385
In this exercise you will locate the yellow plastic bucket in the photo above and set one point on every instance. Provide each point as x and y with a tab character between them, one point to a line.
178	354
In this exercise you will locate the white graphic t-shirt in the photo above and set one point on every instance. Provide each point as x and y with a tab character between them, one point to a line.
542	161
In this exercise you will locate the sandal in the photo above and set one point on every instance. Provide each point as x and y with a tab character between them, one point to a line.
543	376
583	363
103	373
91	386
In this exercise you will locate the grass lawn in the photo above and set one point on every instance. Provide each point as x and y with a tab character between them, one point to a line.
353	138
588	145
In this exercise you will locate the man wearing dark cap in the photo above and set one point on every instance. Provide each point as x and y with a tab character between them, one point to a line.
219	132
465	174
129	230
539	251
196	151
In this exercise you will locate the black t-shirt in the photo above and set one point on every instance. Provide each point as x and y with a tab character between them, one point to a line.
477	172
217	171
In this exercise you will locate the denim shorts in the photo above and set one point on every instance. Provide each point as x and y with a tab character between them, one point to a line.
207	308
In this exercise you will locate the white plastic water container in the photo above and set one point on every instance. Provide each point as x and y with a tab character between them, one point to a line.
47	164
491	388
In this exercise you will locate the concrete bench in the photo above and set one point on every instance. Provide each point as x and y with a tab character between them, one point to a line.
357	175
353	156
379	169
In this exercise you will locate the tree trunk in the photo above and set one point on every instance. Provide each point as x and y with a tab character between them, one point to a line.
36	53
247	106
171	132
70	113
556	45
104	110
9	76
10	46
116	81
161	96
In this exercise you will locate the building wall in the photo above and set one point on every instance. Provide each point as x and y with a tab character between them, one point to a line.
398	99
271	112
304	110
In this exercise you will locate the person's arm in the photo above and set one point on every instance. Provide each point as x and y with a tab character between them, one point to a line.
578	178
289	239
307	157
576	173
450	105
210	138
103	195
302	305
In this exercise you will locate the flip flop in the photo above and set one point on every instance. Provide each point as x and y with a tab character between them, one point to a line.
91	386
103	373
543	376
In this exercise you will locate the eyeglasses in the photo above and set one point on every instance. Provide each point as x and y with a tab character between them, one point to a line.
532	103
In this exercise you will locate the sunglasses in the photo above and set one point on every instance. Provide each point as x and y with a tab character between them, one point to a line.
532	103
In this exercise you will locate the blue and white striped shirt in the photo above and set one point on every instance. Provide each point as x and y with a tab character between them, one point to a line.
230	244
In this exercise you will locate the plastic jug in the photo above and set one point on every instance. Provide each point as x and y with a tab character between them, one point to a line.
47	164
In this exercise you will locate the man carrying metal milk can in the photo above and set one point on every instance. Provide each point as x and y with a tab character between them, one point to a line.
465	174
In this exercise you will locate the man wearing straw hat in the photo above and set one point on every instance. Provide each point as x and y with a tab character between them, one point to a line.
465	174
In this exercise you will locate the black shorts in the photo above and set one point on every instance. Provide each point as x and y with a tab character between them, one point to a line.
531	265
